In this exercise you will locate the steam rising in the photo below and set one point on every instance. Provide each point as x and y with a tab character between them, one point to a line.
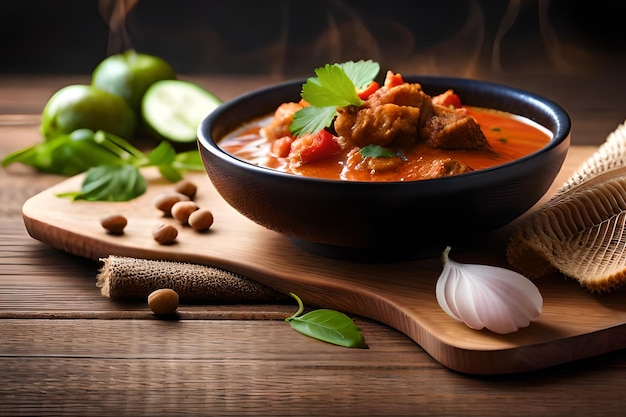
459	38
114	12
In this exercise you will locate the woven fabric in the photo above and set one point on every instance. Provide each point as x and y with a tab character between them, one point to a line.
132	278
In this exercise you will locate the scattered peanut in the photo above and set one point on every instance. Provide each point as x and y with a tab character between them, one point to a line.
114	223
200	220
166	200
163	301
182	210
187	188
165	234
177	203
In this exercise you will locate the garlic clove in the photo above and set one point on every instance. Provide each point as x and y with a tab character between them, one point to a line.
445	291
464	299
483	296
510	281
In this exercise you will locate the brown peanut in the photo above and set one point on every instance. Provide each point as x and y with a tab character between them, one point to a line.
166	200
163	301
165	234
114	223
182	210
187	188
200	220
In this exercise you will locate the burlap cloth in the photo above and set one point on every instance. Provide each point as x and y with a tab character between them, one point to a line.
132	278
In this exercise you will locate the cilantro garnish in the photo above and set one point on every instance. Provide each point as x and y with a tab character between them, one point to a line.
312	119
335	86
361	73
376	151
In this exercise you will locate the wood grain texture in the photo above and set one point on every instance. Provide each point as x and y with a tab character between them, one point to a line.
151	367
574	324
68	351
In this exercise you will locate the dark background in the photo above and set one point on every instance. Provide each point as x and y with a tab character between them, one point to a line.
291	38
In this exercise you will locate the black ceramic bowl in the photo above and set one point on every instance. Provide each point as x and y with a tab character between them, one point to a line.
382	221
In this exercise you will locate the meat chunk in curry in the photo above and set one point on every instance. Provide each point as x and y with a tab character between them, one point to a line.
386	124
403	114
279	125
452	129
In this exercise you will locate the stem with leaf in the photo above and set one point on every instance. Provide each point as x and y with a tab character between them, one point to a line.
326	325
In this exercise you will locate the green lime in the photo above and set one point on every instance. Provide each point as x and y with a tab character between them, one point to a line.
129	74
174	109
83	106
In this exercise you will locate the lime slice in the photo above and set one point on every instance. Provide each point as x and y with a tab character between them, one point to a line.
175	108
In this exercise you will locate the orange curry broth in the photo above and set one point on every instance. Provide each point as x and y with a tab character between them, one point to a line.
510	137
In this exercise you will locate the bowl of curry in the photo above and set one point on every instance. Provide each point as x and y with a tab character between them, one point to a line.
418	164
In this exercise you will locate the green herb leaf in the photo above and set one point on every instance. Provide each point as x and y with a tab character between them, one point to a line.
110	183
361	73
170	173
335	86
327	325
312	119
162	154
376	151
112	163
189	160
64	155
84	152
120	147
332	87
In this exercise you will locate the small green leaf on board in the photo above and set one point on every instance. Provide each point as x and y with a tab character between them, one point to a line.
327	325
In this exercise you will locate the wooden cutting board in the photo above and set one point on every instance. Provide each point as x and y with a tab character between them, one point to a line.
574	324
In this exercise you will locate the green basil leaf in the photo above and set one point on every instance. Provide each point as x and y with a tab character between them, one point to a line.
327	325
27	156
162	154
170	173
84	151
110	183
120	147
64	155
189	160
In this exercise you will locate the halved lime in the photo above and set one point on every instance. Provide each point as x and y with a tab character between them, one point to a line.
175	108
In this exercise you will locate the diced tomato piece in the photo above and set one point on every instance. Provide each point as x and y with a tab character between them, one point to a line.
368	91
393	80
323	145
282	146
448	99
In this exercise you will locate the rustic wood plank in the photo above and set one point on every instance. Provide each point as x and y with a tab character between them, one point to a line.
153	367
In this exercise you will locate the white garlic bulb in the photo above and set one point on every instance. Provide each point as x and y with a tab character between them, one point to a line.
483	296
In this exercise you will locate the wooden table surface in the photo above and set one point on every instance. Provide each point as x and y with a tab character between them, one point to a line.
66	350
